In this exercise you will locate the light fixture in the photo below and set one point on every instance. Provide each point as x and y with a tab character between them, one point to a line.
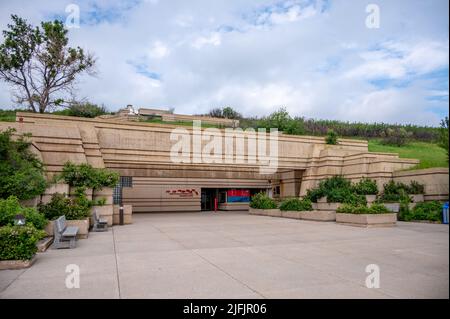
19	220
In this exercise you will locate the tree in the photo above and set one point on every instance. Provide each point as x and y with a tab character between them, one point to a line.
230	113
21	172
331	138
443	134
39	65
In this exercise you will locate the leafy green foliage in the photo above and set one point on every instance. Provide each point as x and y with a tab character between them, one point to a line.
262	201
366	186
363	209
296	204
225	112
73	208
331	137
395	136
21	172
38	64
85	109
10	207
416	188
431	211
443	135
19	242
84	175
398	192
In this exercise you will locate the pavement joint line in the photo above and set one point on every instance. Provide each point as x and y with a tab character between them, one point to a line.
211	263
12	281
117	264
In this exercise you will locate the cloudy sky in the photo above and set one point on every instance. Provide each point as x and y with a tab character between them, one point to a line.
316	58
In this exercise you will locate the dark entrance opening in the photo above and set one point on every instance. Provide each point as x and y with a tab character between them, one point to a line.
207	198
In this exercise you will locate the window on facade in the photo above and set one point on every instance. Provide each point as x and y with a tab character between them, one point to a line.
124	181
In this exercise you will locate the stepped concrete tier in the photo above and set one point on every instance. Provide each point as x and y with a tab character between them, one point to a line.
142	152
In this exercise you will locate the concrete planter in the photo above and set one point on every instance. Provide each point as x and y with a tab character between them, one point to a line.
16	264
105	192
371	198
322	200
265	212
328	206
273	212
127	214
393	207
44	243
367	220
105	211
417	198
88	192
82	224
319	215
290	214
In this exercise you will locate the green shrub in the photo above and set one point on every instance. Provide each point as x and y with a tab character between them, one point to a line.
416	188
73	208
331	138
363	209
345	195
10	207
21	172
313	194
296	204
366	186
431	211
395	192
395	136
262	201
84	175
19	242
83	109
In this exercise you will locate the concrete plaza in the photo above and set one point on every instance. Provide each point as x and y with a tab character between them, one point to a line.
236	255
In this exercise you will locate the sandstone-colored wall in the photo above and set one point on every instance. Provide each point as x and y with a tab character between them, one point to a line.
434	179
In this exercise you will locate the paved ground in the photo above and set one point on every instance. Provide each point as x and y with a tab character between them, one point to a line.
235	255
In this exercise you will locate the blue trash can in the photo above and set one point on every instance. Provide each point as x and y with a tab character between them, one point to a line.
445	213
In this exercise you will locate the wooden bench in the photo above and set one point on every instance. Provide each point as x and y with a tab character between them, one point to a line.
100	224
65	236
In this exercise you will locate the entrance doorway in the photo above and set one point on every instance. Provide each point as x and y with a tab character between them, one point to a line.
208	197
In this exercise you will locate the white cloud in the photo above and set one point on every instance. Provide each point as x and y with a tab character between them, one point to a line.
159	50
213	39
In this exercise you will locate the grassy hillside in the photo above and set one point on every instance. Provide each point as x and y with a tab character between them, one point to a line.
7	116
429	154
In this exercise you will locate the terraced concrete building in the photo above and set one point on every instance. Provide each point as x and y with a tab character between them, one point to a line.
152	182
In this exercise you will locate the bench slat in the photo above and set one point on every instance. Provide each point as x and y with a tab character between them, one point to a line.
70	231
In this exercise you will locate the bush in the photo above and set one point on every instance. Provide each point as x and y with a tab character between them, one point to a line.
363	209
85	109
73	208
331	138
395	136
262	201
21	172
313	194
84	175
10	207
296	204
366	186
19	242
395	192
416	188
345	195
431	211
